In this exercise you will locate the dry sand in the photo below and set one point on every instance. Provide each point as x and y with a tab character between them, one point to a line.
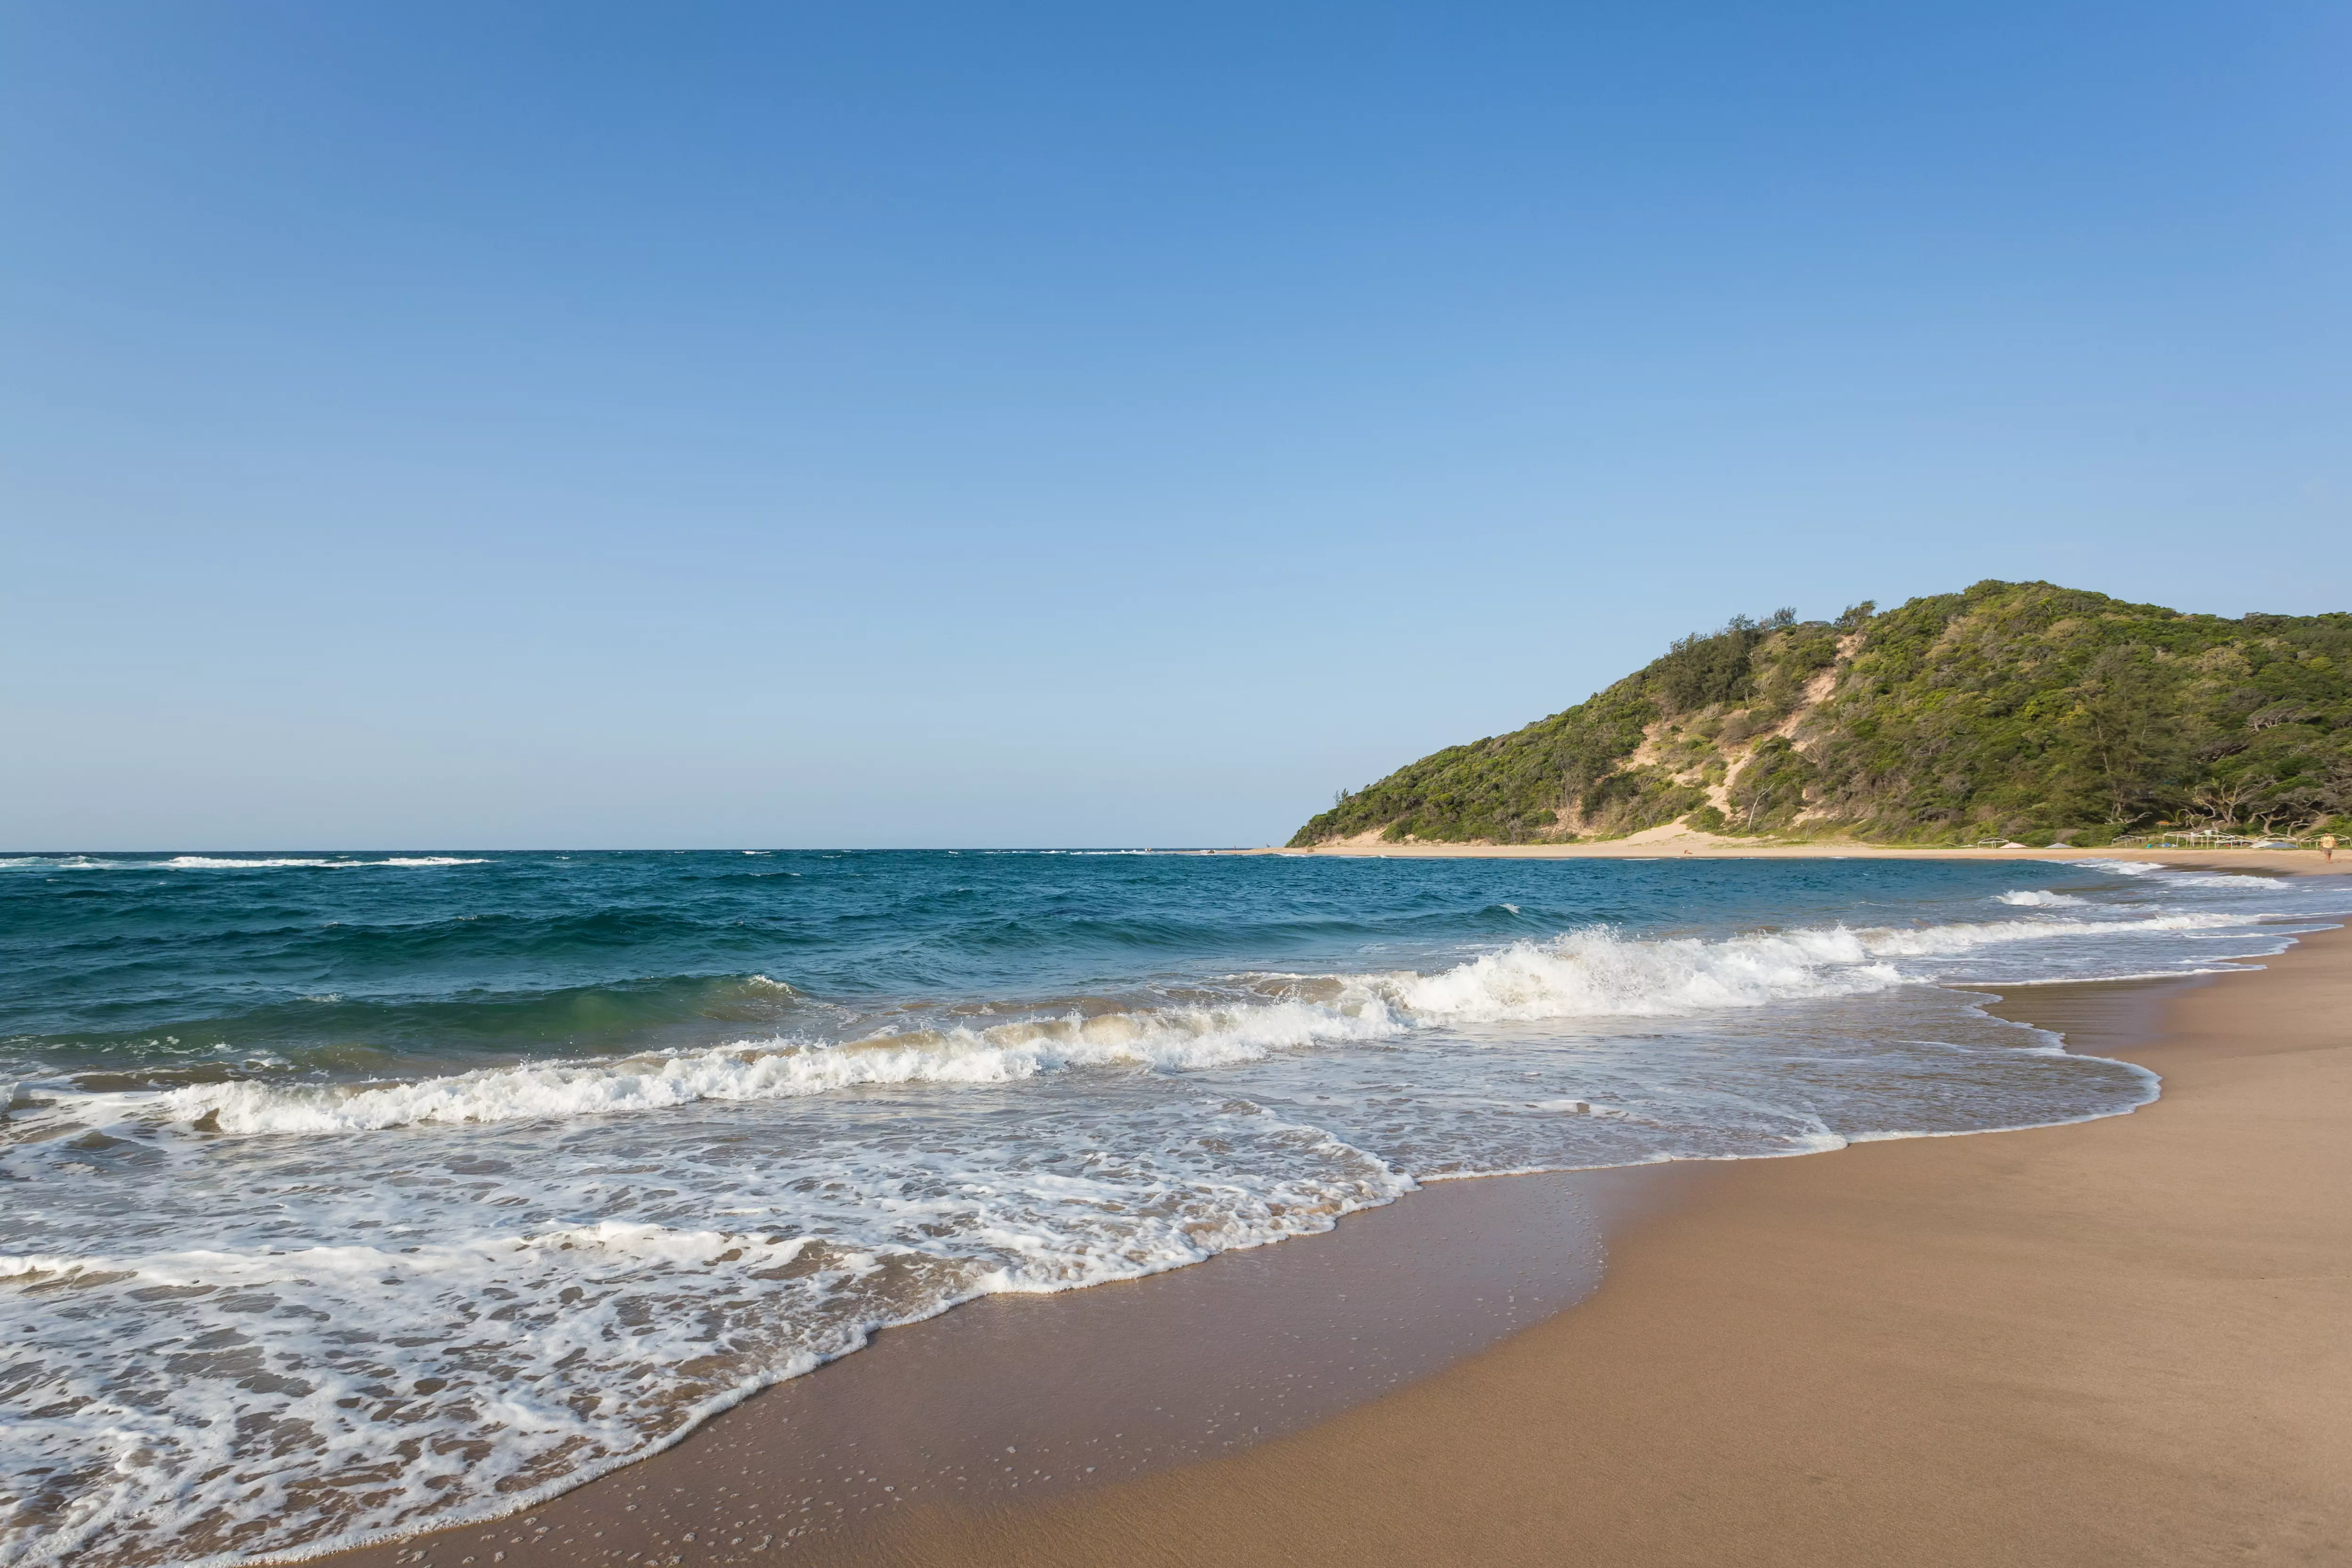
1674	840
2124	1342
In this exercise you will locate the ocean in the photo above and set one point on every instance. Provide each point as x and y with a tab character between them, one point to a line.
344	1194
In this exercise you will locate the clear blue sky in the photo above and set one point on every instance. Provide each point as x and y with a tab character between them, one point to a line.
489	425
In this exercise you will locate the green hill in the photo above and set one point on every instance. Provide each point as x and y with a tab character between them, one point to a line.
2017	710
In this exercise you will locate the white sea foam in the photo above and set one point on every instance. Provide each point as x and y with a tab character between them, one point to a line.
1598	974
1590	974
2177	876
236	862
2168	974
1171	1039
443	1299
437	1372
1945	941
2036	898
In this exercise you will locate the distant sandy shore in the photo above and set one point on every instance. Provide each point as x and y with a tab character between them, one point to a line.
1674	840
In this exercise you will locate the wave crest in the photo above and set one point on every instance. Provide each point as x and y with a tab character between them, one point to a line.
231	862
1170	1039
1590	974
1598	973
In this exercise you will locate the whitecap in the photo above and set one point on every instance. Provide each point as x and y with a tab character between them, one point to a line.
1170	1039
1596	973
275	862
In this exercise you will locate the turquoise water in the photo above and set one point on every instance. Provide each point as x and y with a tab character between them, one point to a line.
345	1193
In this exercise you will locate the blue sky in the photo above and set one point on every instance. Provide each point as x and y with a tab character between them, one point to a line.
711	425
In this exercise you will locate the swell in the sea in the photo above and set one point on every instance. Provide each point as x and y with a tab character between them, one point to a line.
290	1309
1595	973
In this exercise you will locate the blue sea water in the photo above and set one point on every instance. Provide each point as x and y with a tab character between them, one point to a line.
349	1193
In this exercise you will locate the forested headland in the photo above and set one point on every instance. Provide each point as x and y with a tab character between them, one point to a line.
2016	711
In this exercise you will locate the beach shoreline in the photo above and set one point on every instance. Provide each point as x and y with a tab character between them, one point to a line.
1013	1396
1675	842
1467	1430
2112	1342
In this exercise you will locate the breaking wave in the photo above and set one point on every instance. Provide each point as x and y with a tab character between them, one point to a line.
1172	1038
458	1270
236	862
1590	974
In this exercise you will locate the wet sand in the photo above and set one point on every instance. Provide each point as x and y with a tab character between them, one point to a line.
1013	1397
2117	1342
2123	1341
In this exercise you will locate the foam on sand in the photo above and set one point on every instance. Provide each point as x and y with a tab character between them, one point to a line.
305	1305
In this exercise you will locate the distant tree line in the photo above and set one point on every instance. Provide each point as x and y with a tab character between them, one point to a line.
2018	710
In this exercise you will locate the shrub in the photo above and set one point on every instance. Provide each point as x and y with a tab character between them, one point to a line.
2008	709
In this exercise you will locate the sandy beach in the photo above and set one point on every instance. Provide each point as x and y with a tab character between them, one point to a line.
1675	839
2123	1341
669	658
2118	1342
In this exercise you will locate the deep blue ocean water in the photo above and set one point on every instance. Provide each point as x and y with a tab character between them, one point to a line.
347	1192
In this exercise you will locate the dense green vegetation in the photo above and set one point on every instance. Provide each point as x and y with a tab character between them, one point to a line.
2015	710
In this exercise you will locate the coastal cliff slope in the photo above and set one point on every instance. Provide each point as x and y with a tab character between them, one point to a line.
2014	710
